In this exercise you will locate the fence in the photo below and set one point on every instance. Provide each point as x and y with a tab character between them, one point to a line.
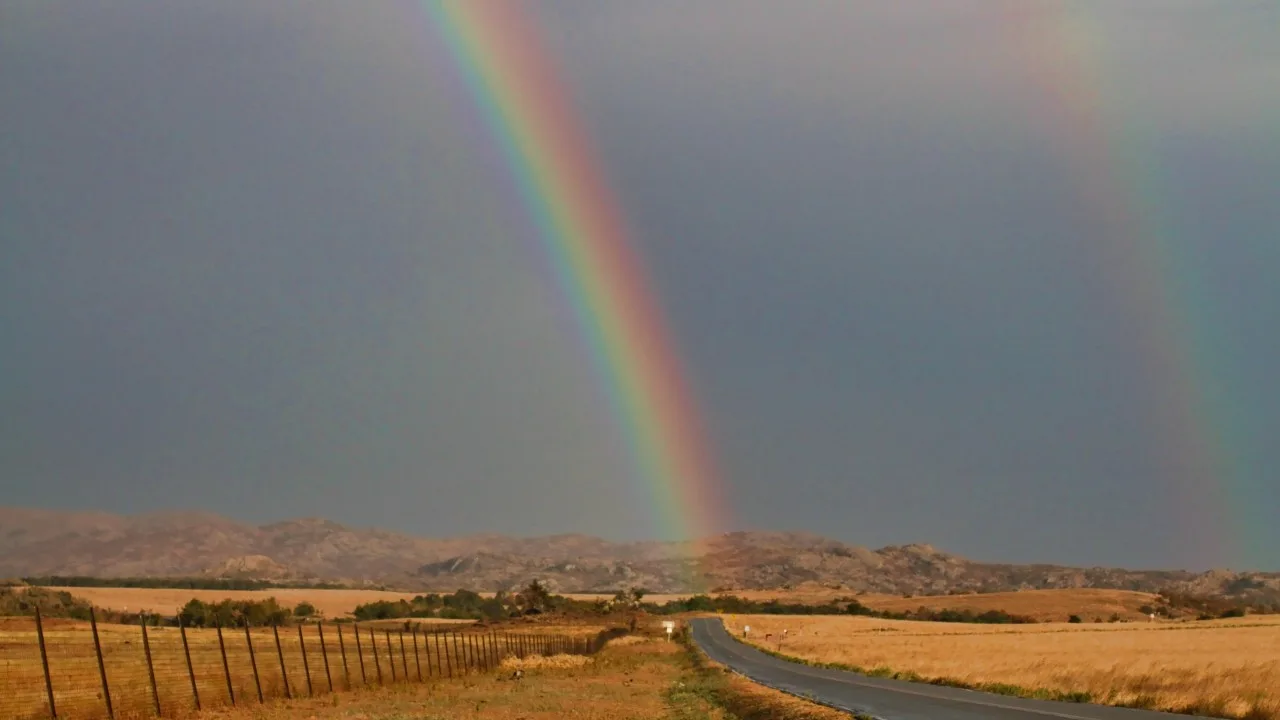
67	669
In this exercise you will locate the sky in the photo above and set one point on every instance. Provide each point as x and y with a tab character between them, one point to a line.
994	276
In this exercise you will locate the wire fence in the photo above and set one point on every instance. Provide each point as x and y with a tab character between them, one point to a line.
54	668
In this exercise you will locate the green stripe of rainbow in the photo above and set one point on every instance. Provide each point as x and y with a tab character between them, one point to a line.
528	113
1151	272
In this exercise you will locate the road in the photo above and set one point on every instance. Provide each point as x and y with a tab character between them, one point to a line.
891	699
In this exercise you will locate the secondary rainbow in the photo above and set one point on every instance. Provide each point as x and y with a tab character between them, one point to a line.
1153	274
529	115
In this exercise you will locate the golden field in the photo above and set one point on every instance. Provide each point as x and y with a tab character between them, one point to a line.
380	656
631	679
1044	605
332	604
1227	668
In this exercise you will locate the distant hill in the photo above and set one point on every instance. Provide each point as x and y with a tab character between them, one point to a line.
184	544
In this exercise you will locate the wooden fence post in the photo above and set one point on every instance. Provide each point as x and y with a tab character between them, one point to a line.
404	658
102	667
439	662
417	661
364	680
342	650
284	673
377	661
226	667
391	655
191	669
44	660
306	664
448	657
151	670
462	661
324	653
253	660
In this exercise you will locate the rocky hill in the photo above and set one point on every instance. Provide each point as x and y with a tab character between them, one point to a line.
40	543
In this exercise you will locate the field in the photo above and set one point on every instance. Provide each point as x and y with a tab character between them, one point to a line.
1228	668
299	664
333	604
632	679
1043	605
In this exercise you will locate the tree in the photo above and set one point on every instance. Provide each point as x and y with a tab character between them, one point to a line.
536	596
305	609
1074	619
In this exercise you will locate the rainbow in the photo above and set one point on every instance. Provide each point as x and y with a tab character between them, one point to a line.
512	80
1151	273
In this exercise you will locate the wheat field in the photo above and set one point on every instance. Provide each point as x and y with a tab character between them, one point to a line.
380	656
1227	668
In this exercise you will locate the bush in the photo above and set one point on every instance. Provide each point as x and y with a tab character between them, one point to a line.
1074	619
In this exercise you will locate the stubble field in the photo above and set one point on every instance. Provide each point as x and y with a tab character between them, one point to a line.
1226	668
299	663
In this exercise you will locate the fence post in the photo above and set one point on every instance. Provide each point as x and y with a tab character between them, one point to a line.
44	660
391	655
253	660
417	661
462	660
404	658
448	657
440	665
342	650
324	653
191	669
102	667
377	661
360	653
481	657
151	670
226	667
284	673
306	664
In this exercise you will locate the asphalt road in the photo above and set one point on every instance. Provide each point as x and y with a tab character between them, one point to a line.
891	699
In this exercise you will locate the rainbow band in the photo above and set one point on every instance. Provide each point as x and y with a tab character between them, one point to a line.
529	114
1156	282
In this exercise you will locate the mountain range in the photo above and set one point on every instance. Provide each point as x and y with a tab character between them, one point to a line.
193	544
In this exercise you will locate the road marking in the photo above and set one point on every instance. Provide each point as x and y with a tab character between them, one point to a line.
799	669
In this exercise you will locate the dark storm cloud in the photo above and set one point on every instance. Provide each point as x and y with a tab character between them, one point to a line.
252	247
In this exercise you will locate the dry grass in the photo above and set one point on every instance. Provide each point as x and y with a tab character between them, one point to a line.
332	603
1227	667
1040	604
1043	605
77	683
622	683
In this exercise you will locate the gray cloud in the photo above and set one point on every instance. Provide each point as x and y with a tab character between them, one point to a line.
263	249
